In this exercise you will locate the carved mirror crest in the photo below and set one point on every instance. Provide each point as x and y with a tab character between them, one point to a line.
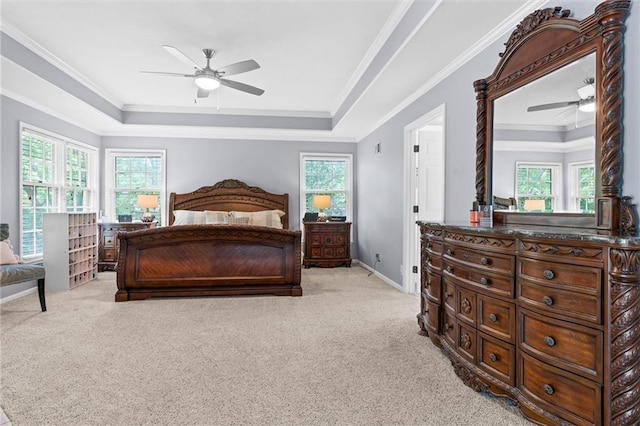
545	47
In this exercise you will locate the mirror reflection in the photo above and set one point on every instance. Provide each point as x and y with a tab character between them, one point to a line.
544	143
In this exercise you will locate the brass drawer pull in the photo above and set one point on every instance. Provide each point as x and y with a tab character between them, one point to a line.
548	389
484	281
465	256
547	300
550	341
548	274
428	261
445	327
484	261
493	317
450	252
450	269
446	296
429	245
493	357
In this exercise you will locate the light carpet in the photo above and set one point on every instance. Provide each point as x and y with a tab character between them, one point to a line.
348	352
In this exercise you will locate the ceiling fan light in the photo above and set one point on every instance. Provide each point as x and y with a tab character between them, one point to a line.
588	105
207	82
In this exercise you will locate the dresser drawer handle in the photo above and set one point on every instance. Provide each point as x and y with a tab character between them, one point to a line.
547	300
484	281
493	357
445	327
548	274
429	245
428	261
446	296
450	252
450	269
548	389
484	261
550	341
465	256
493	317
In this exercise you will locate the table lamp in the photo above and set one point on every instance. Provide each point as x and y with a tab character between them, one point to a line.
321	202
147	201
534	205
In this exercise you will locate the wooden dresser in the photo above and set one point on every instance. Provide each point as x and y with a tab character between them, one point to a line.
108	243
327	244
549	318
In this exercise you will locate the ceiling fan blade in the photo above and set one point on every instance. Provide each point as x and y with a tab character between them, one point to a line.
241	86
239	67
202	93
551	106
181	56
172	74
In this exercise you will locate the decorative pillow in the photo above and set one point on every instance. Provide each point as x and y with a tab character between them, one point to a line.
188	217
268	218
215	217
6	254
231	220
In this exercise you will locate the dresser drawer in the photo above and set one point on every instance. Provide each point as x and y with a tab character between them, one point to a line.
466	342
485	260
434	247
497	358
567	395
449	296
578	278
434	262
500	285
581	253
497	318
318	238
566	345
108	255
449	328
560	301
433	286
432	314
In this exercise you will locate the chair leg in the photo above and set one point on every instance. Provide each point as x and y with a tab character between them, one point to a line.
43	305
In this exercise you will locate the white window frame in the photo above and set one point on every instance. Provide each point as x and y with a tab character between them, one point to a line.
556	183
109	178
348	158
574	182
58	184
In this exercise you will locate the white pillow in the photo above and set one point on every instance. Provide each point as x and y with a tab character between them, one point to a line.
188	217
215	217
6	254
268	218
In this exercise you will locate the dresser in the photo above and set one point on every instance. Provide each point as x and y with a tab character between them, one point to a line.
549	318
108	243
327	244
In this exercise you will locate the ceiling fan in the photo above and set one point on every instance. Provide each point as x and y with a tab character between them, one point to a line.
208	79
586	103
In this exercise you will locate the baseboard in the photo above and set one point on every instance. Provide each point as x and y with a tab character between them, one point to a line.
18	295
379	275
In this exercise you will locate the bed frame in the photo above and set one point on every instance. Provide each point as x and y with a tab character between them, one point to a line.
212	260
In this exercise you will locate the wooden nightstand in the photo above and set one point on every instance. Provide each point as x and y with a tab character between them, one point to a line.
108	243
327	244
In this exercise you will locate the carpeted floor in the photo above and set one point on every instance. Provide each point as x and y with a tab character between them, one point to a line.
346	353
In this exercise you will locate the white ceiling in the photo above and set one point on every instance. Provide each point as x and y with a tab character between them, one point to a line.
358	61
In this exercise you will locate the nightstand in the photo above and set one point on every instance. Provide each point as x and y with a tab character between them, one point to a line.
108	243
327	244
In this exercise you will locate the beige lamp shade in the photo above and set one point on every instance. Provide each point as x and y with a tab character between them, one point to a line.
534	205
321	201
147	201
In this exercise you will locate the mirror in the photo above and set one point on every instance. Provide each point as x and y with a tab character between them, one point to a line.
545	47
544	142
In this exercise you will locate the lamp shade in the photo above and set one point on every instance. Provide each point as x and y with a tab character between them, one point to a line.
147	201
321	201
534	205
207	82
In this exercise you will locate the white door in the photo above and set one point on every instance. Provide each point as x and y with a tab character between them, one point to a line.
424	183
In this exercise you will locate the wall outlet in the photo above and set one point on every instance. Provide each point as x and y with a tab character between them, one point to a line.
378	259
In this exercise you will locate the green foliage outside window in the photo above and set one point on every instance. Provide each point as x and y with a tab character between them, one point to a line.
586	189
135	175
327	177
535	183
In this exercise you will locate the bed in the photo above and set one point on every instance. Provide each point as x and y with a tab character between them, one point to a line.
217	256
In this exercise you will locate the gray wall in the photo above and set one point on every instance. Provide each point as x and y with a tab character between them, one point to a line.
272	165
381	177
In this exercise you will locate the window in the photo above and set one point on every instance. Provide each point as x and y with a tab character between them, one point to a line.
539	181
131	173
582	187
58	175
326	174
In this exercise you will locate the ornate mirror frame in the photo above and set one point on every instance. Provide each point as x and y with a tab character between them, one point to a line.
543	42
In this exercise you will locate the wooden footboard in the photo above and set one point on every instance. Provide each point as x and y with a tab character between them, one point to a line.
208	260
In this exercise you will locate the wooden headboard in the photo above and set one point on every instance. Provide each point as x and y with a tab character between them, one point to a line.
227	195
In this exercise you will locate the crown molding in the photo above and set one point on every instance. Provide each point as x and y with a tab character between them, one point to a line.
224	111
540	146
